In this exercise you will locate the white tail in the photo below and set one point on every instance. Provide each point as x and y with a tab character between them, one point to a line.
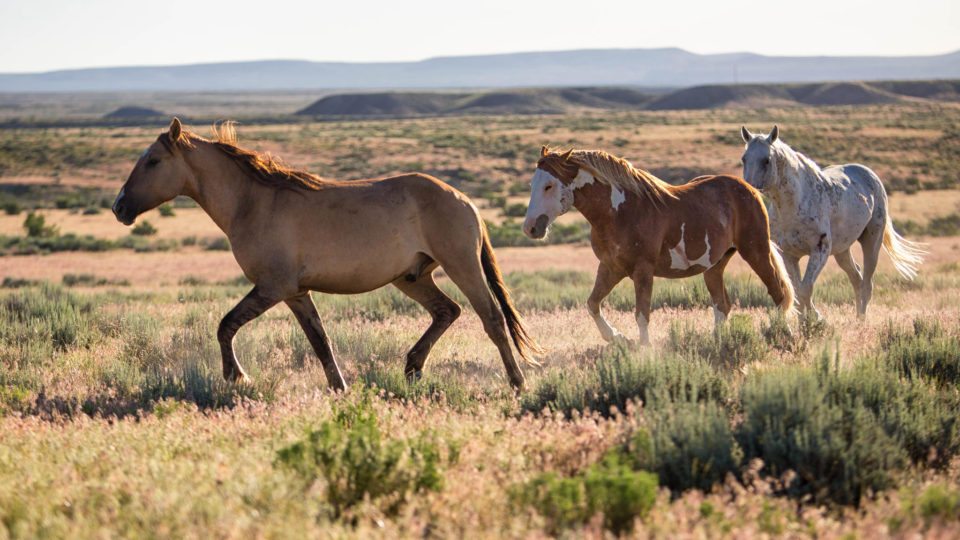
906	255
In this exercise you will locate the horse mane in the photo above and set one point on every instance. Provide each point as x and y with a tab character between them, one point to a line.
799	160
621	174
261	166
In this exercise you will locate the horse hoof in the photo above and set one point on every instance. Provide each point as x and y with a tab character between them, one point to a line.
236	376
414	376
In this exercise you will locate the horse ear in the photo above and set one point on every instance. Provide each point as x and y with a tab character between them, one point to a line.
745	133
774	134
176	129
566	155
543	150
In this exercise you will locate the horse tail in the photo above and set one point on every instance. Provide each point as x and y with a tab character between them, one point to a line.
906	255
521	338
786	286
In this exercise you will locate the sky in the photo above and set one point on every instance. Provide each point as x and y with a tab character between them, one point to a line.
43	35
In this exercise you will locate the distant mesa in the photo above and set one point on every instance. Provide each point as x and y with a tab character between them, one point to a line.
380	104
519	101
846	93
717	96
134	111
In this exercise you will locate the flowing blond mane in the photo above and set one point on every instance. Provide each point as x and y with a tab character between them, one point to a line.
262	167
622	175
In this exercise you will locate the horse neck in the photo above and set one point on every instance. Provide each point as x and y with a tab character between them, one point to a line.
221	188
798	174
594	201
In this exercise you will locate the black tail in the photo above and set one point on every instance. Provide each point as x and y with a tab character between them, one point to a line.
521	339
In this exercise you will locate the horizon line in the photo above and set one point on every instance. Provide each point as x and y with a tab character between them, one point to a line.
477	55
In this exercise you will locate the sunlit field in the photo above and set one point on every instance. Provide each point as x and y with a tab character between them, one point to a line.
116	422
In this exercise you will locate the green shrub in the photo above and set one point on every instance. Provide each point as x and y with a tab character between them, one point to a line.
939	502
689	445
621	376
218	244
920	418
515	210
358	461
166	210
734	344
840	452
609	487
144	228
36	226
11	208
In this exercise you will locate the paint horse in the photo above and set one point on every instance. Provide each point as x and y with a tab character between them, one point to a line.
293	232
821	212
643	227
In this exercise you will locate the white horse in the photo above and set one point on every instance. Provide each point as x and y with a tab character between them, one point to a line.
821	212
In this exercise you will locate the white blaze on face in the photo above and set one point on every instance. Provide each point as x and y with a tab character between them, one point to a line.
545	194
678	254
616	197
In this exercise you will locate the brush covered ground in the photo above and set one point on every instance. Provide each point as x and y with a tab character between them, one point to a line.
116	421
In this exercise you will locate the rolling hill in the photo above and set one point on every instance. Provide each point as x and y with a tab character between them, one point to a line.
559	100
669	67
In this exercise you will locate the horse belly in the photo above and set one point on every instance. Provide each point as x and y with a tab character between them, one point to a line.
356	265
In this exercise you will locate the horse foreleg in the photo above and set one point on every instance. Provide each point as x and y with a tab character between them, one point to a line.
306	314
818	259
442	309
606	280
251	307
643	288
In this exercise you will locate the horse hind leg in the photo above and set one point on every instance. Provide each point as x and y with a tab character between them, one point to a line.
713	278
467	273
871	241
444	311
848	265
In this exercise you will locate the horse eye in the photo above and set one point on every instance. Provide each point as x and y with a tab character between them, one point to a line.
152	162
548	187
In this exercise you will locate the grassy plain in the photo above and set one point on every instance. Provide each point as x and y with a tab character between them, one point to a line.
115	421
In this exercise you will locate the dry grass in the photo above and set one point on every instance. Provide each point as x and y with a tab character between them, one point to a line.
127	431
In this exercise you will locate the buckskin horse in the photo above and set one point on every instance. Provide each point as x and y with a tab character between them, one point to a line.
293	232
642	227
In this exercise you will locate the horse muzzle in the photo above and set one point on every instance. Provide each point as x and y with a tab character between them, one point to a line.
122	210
538	229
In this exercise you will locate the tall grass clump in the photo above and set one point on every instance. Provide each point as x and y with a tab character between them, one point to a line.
926	350
36	321
392	383
357	461
610	487
181	364
622	376
735	343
